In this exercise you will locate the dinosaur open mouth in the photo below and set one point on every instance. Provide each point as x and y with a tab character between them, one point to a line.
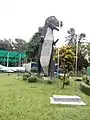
56	27
60	23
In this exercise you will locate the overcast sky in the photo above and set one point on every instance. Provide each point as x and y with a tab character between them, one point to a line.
21	18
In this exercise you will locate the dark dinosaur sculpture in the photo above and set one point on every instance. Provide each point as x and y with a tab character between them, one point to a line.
47	42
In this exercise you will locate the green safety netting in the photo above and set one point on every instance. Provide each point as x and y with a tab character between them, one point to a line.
12	56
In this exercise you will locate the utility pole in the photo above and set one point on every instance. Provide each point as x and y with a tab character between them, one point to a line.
7	59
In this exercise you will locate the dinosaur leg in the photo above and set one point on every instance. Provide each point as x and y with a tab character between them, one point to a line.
51	66
39	67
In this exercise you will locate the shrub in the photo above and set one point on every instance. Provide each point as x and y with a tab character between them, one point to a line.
85	79
34	69
24	78
32	79
61	78
78	78
71	73
85	88
49	82
26	75
67	82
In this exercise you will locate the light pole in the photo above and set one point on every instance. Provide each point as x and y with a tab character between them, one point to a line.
58	60
76	67
7	59
77	54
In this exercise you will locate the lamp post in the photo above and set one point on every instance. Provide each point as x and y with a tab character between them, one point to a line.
77	54
7	59
76	67
58	60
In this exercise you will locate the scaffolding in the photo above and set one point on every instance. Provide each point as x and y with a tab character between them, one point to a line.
12	58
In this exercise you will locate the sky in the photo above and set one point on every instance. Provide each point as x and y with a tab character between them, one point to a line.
21	18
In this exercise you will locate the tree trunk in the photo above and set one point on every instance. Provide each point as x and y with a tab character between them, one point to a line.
64	78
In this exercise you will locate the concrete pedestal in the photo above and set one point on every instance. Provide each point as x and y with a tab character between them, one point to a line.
65	99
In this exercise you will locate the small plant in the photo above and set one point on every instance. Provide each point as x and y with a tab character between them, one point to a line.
85	79
49	82
61	78
78	78
24	78
34	69
85	88
71	73
26	75
32	79
67	82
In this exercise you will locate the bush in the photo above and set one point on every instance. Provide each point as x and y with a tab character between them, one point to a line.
71	73
26	75
85	88
34	69
67	82
78	78
24	78
61	78
85	79
49	82
32	79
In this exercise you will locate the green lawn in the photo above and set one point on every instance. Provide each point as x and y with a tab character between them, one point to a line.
20	100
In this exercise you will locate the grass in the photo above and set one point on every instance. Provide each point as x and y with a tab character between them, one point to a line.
20	100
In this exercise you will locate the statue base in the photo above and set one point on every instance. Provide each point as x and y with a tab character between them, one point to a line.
66	100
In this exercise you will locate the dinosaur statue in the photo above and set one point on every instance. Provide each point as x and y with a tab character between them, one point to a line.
45	54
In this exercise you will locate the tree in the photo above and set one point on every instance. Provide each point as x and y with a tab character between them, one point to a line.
67	59
6	45
81	62
33	47
72	40
20	45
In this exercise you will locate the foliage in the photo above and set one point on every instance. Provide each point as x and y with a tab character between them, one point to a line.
86	79
19	45
85	88
49	82
32	79
78	78
67	82
25	76
71	73
34	69
33	47
6	45
67	59
71	40
81	62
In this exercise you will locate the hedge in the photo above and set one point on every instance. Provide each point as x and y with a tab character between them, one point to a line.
32	79
85	88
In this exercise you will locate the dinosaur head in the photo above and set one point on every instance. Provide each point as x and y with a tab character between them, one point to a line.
53	23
